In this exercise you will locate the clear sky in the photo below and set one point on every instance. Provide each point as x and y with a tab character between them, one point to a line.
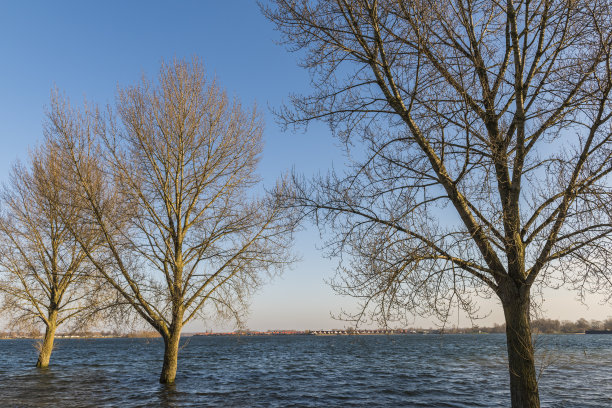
87	49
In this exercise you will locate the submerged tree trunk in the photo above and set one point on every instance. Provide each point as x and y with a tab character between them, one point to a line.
171	347
521	362
47	344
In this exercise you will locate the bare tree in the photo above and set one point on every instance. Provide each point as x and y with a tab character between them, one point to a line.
479	134
45	274
176	207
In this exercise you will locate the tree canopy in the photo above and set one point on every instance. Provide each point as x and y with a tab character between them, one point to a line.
184	232
479	134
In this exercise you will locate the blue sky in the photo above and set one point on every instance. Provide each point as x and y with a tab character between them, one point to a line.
87	49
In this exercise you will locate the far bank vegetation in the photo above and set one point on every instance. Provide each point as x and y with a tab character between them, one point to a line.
540	326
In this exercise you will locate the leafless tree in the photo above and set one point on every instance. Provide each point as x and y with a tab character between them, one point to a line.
45	274
177	208
479	134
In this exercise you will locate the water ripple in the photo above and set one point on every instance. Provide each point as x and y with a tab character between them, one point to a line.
304	371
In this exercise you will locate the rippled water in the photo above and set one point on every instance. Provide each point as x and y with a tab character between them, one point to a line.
409	370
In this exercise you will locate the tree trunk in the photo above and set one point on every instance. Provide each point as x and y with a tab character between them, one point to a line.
171	347
521	362
47	345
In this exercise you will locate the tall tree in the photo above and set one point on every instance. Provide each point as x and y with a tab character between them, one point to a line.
480	140
176	208
46	276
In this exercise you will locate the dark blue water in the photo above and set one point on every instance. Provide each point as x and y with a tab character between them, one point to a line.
412	370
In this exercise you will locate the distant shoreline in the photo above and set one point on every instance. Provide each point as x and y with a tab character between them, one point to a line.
268	333
145	335
187	335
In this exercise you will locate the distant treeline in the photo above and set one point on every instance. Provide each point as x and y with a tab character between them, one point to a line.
547	326
33	334
579	326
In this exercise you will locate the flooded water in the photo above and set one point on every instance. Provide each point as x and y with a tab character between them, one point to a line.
304	371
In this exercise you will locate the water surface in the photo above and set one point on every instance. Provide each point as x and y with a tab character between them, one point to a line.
304	371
